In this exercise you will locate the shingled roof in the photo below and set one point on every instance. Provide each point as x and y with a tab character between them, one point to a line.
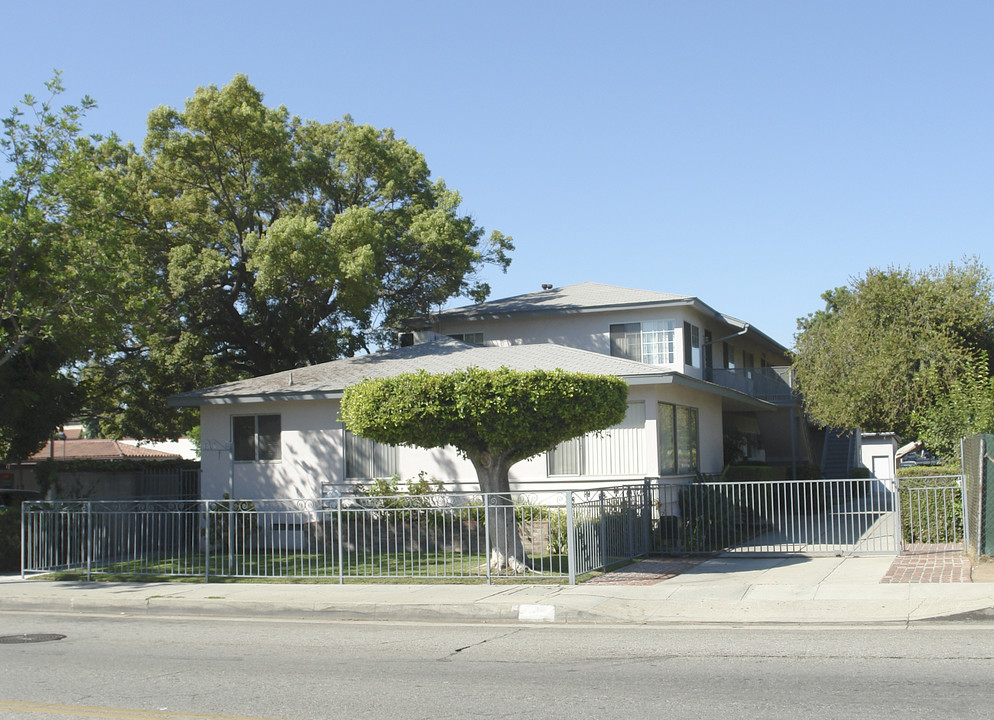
97	449
582	297
585	297
328	380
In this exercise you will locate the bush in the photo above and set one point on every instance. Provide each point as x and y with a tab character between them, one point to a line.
919	471
10	539
712	521
930	512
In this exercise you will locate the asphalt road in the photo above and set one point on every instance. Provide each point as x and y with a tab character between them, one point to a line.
130	667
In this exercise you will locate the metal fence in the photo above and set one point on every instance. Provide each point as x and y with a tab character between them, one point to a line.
932	510
448	535
557	536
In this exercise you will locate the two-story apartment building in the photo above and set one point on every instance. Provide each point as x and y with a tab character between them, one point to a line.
696	377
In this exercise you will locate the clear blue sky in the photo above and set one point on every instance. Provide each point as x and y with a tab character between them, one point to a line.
753	154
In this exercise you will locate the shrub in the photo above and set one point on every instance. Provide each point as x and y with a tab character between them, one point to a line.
930	512
10	539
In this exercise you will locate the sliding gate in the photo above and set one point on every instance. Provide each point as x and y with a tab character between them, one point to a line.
807	517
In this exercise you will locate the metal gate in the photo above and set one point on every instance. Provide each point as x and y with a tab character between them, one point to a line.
809	517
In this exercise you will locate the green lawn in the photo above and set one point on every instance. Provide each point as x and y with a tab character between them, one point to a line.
316	567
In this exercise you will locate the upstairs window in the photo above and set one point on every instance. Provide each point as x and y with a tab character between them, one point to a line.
653	343
626	341
729	356
256	437
691	345
475	338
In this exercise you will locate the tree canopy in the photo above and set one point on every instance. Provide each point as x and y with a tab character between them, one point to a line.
895	347
60	266
269	242
493	417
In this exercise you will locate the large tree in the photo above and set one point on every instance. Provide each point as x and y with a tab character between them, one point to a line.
60	268
495	418
272	242
895	345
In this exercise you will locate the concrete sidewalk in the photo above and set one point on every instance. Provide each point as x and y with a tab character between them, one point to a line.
720	590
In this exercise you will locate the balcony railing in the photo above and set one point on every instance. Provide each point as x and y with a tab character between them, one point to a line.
773	384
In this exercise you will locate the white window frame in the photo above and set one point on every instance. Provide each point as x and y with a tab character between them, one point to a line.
656	340
261	444
685	446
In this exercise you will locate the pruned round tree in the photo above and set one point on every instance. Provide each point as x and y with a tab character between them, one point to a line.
494	418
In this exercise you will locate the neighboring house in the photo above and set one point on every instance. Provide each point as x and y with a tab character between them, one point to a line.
96	449
91	468
692	373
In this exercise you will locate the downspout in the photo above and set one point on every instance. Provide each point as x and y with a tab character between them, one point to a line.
741	332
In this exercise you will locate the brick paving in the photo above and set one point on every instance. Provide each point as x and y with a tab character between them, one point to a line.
918	564
944	563
647	572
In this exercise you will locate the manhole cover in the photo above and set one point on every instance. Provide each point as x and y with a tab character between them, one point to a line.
29	638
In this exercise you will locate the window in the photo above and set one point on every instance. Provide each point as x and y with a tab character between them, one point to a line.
653	343
256	437
469	338
626	341
367	459
619	450
691	345
729	356
679	448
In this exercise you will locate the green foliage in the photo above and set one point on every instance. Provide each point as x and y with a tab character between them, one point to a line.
895	344
386	493
512	413
712	521
965	408
60	266
270	242
931	510
922	471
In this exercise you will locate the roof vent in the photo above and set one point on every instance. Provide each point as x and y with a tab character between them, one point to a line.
546	286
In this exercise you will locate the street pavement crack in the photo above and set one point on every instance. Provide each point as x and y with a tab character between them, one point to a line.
484	642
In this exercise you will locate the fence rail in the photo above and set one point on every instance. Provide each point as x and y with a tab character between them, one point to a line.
558	536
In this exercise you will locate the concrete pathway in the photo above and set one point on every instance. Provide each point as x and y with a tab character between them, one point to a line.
718	590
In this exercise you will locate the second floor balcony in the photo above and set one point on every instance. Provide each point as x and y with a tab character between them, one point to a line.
772	384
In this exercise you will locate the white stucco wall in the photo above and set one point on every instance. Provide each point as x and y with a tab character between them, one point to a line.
312	444
591	331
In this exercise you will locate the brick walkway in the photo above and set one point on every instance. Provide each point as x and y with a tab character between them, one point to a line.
918	564
930	564
647	572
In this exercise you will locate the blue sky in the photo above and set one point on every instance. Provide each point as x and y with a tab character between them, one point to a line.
753	154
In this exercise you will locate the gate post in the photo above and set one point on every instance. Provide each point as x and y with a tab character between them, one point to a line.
89	540
570	540
603	533
341	554
898	517
207	540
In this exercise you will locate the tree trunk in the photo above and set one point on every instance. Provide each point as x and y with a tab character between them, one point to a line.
507	554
